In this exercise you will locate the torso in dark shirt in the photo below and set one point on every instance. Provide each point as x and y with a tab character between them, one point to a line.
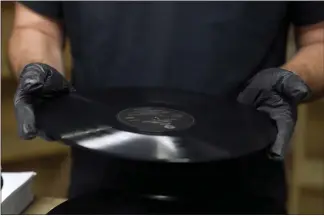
211	47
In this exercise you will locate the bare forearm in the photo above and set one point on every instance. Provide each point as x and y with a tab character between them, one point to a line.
308	63
28	45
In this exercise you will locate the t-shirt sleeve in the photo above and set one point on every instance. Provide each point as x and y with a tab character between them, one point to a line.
306	12
51	9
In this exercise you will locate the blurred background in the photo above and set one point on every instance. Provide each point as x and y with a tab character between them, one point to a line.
51	160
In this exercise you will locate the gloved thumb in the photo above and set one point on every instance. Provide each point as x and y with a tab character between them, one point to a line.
26	120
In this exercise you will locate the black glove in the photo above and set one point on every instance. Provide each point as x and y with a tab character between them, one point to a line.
277	92
36	82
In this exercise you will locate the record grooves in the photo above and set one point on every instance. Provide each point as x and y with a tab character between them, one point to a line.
152	124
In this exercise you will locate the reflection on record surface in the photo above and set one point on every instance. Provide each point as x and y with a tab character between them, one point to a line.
156	125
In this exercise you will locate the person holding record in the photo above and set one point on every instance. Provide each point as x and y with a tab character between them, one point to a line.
235	49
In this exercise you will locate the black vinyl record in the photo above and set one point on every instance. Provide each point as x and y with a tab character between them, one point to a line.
152	124
115	203
112	203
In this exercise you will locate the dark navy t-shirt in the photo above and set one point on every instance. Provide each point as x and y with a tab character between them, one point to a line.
211	47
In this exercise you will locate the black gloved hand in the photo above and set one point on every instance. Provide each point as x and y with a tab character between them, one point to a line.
36	82
277	92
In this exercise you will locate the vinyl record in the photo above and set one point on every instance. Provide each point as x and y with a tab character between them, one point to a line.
152	124
110	203
114	203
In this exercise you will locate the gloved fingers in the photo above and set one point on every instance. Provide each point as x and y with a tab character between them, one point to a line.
281	146
30	84
36	83
25	120
294	87
55	83
248	96
285	117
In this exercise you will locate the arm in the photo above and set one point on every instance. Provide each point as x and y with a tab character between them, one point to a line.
278	91
308	63
35	38
35	53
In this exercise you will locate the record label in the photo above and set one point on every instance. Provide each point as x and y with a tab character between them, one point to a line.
155	119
